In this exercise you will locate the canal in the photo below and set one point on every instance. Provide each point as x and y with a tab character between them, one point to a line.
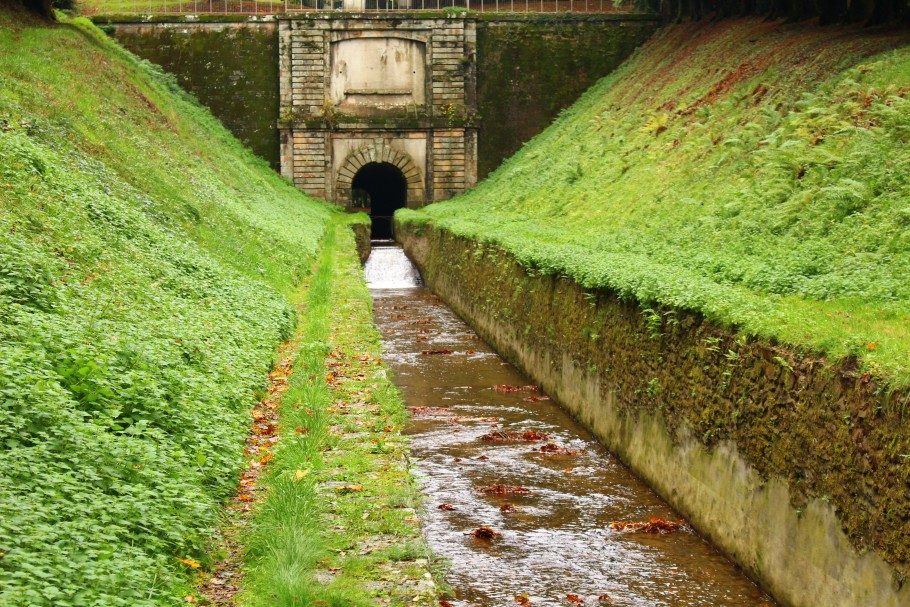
519	497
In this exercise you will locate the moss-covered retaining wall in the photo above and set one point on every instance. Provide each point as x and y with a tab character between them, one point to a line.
796	468
529	67
230	66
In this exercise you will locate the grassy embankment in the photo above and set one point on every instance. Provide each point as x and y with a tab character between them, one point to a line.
757	173
148	269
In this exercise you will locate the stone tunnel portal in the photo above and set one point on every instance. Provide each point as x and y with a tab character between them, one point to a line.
381	188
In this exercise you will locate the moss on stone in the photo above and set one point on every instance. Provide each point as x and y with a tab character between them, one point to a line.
233	70
530	69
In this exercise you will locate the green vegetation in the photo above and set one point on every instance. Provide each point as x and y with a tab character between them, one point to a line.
180	6
338	526
530	69
146	269
233	71
755	172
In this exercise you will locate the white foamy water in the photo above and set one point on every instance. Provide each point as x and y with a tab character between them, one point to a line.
389	268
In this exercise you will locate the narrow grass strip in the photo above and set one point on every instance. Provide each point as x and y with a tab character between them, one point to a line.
339	523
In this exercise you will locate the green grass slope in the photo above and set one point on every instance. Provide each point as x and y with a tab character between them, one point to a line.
147	269
756	172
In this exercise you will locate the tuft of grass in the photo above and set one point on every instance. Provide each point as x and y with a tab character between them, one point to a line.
146	265
755	172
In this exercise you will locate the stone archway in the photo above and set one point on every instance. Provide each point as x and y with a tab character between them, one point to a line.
379	153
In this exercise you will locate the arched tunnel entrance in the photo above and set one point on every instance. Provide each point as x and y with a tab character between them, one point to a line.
382	188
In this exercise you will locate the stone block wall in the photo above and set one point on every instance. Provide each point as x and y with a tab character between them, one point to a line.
378	87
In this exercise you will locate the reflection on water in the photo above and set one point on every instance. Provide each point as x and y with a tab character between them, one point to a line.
557	540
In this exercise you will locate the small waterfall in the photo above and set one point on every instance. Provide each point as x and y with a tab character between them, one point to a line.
389	268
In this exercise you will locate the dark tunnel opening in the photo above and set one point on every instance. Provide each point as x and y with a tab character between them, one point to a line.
382	188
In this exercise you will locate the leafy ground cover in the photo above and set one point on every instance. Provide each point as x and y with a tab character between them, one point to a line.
755	172
147	268
337	524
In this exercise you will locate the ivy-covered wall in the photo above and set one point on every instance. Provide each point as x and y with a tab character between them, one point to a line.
530	68
232	68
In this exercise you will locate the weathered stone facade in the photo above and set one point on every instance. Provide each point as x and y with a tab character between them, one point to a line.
377	89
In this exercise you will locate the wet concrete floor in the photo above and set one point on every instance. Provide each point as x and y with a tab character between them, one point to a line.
556	538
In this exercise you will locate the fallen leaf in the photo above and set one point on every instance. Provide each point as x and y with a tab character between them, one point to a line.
266	458
486	533
554	449
444	603
446	506
436	351
191	563
389	429
605	599
653	525
245	497
523	599
189	598
535	399
500	489
575	599
509	389
501	436
300	430
350	488
299	474
507	507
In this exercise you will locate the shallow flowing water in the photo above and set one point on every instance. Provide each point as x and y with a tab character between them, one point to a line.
556	539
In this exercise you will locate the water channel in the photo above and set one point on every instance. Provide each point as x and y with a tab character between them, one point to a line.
496	453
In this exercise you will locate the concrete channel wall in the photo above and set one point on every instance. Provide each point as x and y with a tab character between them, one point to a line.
789	464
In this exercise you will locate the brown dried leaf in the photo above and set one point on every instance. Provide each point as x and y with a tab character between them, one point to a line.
500	489
486	533
653	525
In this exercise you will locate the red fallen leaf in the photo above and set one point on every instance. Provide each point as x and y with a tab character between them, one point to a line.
446	506
429	411
653	525
523	599
486	533
554	449
605	599
436	351
575	599
535	399
444	603
501	436
507	507
500	489
534	435
509	389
